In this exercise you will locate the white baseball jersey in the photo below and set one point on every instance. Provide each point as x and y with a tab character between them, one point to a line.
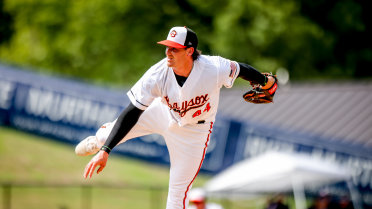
176	113
197	100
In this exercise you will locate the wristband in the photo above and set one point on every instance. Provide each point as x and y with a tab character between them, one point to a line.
266	79
106	149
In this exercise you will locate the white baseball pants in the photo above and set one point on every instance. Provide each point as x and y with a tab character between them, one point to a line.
186	145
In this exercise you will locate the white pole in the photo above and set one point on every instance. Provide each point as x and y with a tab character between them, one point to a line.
299	192
354	194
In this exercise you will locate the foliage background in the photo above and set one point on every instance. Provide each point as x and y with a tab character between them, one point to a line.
114	42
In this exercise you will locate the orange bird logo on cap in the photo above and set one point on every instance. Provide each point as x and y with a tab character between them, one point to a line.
173	33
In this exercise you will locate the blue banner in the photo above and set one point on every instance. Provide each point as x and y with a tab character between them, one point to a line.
69	111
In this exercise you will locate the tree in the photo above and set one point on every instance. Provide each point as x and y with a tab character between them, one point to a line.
6	23
115	41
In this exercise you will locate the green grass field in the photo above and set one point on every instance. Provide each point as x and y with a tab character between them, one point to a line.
47	174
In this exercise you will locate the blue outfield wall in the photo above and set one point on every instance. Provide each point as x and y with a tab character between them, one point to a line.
69	111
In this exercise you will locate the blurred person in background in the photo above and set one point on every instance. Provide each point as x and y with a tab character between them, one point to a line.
324	201
345	203
277	202
198	200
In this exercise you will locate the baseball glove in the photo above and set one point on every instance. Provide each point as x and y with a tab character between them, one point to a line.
261	96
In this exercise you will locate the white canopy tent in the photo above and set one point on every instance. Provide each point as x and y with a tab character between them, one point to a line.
275	172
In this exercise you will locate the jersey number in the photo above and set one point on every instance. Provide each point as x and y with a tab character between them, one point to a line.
199	112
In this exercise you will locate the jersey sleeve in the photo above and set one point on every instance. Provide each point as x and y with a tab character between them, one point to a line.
228	71
146	89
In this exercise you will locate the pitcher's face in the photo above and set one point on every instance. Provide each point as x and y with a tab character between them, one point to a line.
175	56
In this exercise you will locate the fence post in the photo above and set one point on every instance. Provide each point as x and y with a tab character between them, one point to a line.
7	195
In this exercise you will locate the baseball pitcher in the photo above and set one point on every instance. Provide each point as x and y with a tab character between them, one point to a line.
178	99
